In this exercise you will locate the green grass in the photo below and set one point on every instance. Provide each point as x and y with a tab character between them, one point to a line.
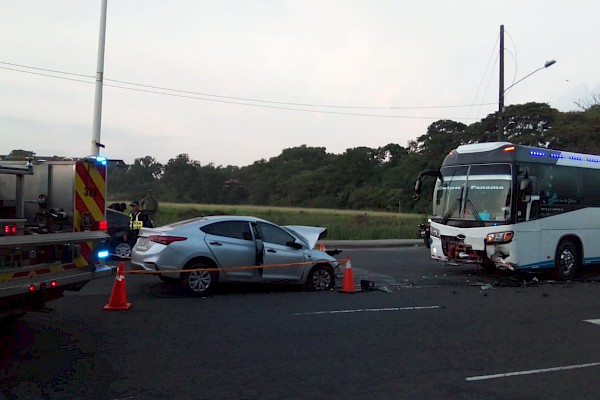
340	224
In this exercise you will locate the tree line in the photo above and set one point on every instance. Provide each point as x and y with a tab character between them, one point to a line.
360	178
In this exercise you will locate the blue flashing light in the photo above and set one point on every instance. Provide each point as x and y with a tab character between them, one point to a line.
101	160
594	160
556	155
103	254
537	153
576	158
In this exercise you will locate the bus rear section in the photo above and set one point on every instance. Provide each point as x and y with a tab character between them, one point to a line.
516	207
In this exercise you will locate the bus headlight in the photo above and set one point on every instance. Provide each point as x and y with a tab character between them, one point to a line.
499	237
434	232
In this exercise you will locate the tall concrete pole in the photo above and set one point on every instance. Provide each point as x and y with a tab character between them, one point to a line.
501	88
96	143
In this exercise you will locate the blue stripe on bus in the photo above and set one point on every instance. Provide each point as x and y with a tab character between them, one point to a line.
540	265
550	264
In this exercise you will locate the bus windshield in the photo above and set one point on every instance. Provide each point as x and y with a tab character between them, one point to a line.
474	192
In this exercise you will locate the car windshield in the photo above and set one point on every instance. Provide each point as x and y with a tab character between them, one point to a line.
475	192
297	235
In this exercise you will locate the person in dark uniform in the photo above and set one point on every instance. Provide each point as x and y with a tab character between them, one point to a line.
150	206
137	221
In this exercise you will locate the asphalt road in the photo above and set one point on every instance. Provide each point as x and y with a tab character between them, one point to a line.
428	331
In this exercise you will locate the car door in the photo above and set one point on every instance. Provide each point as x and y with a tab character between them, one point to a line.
277	252
232	245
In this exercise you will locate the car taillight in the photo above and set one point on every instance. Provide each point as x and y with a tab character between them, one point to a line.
166	240
9	229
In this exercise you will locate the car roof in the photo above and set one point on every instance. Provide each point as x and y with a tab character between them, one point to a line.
232	217
220	218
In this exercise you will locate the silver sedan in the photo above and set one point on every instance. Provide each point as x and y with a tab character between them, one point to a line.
231	248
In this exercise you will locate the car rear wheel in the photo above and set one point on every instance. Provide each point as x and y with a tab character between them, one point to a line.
123	250
198	283
320	277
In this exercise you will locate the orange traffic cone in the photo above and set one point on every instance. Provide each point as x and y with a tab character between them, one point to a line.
348	284
118	297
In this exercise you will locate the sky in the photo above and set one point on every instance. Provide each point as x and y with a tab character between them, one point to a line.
231	82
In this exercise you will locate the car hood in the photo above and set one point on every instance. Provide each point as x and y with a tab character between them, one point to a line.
311	233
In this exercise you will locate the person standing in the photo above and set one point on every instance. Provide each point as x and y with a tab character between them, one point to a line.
137	221
150	206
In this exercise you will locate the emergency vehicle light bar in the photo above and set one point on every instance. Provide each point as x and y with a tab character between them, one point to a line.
101	160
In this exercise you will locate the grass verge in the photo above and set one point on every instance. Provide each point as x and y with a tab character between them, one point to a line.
341	224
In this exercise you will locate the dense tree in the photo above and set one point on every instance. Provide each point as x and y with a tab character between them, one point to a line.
19	155
441	137
180	180
577	131
135	180
528	124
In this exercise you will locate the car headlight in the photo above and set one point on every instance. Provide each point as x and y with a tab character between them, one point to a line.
434	232
499	237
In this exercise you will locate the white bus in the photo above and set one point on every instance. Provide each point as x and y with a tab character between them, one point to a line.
502	205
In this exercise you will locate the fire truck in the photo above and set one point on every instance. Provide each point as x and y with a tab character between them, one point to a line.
52	230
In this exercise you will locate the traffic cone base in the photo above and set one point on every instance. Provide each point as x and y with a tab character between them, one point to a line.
348	285
118	297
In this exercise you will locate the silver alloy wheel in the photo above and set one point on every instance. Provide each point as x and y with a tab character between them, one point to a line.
321	279
199	281
568	260
123	250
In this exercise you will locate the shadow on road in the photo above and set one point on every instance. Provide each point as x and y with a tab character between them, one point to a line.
172	290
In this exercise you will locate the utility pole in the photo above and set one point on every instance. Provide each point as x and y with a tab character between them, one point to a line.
96	144
501	88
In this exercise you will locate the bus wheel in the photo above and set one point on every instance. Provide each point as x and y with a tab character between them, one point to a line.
566	260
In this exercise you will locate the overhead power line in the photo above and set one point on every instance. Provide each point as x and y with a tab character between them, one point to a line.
138	87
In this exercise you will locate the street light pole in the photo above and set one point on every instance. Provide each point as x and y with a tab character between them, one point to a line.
96	144
501	84
501	88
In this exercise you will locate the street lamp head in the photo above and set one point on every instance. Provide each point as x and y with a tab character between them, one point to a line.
549	63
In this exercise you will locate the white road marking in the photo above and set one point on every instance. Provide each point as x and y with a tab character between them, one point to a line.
367	310
533	371
593	321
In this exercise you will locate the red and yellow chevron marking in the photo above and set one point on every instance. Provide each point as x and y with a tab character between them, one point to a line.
90	202
35	272
90	189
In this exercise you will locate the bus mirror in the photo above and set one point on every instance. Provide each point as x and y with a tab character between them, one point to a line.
418	185
525	189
